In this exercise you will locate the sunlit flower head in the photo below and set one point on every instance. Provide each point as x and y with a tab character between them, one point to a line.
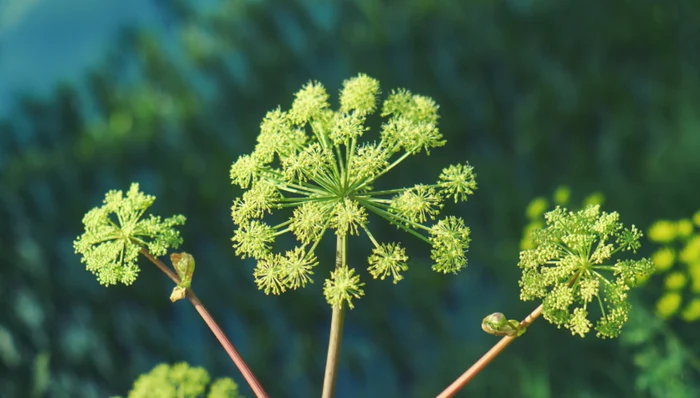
312	160
572	270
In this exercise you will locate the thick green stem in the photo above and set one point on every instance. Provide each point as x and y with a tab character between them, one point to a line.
336	334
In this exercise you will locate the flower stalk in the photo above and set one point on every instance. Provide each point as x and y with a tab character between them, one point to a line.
213	326
336	333
479	365
117	232
566	269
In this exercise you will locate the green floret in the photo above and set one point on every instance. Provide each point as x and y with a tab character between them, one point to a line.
388	259
450	240
116	232
566	269
342	287
359	94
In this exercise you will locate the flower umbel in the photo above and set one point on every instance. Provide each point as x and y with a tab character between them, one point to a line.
567	265
388	259
115	233
342	287
311	159
181	380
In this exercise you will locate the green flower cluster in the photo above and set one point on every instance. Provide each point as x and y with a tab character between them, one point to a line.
539	205
115	234
310	159
680	242
566	269
181	381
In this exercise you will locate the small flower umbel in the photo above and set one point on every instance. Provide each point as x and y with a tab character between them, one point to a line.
182	380
566	269
115	234
310	159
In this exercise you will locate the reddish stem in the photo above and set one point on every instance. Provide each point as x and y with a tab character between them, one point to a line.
479	365
220	335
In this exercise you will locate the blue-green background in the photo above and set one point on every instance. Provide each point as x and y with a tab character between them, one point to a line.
602	95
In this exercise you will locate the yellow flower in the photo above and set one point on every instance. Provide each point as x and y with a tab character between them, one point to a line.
668	305
596	198
696	218
691	251
694	271
692	311
561	195
536	208
684	228
663	259
675	281
662	231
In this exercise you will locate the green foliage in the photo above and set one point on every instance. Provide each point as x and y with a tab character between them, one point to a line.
326	176
679	259
181	381
667	366
41	374
565	269
115	233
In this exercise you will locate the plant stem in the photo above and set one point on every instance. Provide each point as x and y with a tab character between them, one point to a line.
209	320
479	365
336	334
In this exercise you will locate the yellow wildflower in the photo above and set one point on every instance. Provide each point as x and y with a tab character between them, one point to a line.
663	259
675	281
694	271
596	198
684	228
561	195
536	208
668	305
662	231
691	252
692	311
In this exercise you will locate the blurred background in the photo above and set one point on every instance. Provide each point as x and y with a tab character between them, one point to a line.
601	96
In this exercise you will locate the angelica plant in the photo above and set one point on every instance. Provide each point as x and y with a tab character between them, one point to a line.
116	233
310	161
571	269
